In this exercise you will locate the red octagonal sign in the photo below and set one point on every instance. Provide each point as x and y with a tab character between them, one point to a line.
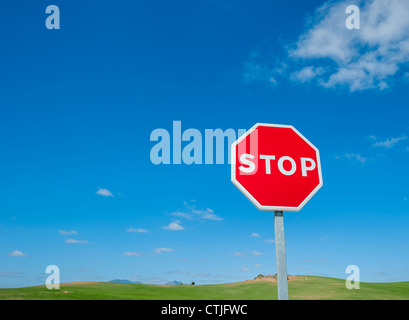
276	167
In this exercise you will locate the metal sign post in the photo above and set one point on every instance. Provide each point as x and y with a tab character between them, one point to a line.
278	170
282	285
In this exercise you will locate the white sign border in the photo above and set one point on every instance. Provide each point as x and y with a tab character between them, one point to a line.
248	195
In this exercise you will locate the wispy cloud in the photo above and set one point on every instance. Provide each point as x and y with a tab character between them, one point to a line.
10	274
244	253
389	143
67	233
307	74
160	250
257	71
352	156
269	240
174	226
255	235
133	253
139	230
17	253
183	215
104	192
76	241
207	214
330	55
245	269
192	212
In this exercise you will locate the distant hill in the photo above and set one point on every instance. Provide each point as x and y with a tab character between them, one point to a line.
124	281
173	283
300	288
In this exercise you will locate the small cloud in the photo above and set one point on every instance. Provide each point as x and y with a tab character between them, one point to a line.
194	213
389	143
325	237
354	157
269	241
160	250
379	273
255	235
257	265
132	253
10	274
137	230
104	192
207	214
67	233
182	214
181	259
245	269
254	253
76	241
307	74
175	226
17	253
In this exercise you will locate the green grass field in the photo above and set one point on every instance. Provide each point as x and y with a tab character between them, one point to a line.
303	287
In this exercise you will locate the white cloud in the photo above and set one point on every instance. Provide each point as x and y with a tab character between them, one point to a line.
76	241
269	241
67	233
104	192
139	230
175	226
239	253
160	250
353	156
245	269
257	265
307	73
255	235
17	253
132	253
372	57
360	59
10	274
194	213
182	214
389	143
207	214
255	71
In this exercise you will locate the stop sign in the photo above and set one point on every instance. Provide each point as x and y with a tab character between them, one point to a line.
276	167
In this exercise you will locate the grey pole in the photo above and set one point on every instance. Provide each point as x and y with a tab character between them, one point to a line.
282	285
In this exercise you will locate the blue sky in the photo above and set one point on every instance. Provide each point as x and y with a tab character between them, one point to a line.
78	105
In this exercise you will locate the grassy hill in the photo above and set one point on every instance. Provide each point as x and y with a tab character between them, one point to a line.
301	287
